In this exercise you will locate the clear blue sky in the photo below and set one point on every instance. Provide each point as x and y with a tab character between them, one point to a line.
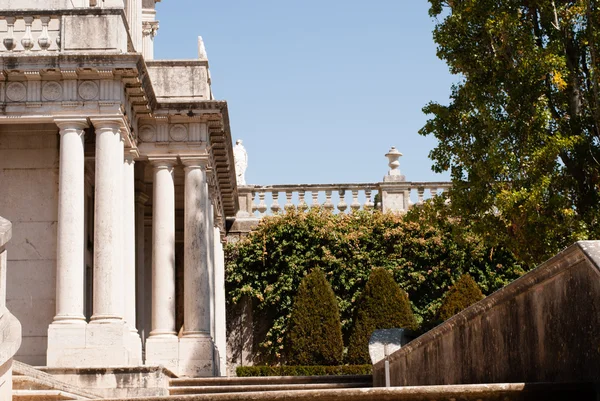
318	89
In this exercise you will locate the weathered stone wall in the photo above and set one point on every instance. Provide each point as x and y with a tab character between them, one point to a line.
544	327
29	173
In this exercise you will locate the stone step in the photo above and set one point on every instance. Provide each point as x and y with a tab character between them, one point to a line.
270	380
27	378
180	390
44	395
468	392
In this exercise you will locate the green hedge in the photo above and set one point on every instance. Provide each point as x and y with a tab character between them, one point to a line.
246	371
315	336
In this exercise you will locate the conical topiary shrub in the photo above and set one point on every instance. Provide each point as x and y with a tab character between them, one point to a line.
315	336
383	305
463	294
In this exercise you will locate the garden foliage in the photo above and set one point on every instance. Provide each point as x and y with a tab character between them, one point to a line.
426	251
382	305
291	370
315	332
464	293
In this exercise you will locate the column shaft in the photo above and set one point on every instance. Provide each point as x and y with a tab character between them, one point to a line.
196	276
108	226
163	250
70	263
129	262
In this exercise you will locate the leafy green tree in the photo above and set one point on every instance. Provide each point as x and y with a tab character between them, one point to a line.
464	293
426	251
315	336
383	305
521	135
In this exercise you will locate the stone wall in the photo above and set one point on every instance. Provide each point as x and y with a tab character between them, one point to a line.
29	173
544	327
10	329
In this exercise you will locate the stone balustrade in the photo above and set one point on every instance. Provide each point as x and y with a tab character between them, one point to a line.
38	31
28	32
259	201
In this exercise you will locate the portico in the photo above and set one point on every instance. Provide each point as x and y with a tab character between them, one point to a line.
138	142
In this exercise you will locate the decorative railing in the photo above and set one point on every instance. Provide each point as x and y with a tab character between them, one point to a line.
30	33
23	31
259	201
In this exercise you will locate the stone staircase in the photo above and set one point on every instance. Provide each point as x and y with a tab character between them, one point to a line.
30	384
217	385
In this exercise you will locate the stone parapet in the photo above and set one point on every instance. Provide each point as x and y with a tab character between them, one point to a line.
543	327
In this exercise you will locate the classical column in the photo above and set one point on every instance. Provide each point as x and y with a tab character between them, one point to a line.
134	20
220	323
70	264
163	249
128	221
108	227
195	260
196	348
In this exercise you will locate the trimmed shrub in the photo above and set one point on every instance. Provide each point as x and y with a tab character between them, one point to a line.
315	336
383	305
246	371
464	293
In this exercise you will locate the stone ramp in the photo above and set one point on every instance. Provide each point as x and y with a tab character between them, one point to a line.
30	384
469	392
214	385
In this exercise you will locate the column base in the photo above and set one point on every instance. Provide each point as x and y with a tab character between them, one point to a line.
91	345
163	350
196	356
134	345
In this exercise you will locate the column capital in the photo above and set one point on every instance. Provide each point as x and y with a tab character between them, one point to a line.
195	162
71	123
113	123
131	154
163	162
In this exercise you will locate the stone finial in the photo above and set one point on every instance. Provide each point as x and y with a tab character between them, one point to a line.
394	173
201	49
241	162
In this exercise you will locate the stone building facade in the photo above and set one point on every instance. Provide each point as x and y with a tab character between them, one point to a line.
117	173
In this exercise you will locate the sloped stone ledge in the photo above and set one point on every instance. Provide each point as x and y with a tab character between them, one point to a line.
5	232
542	327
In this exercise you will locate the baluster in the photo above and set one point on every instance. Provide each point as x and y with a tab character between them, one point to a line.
433	192
44	39
368	202
315	198
301	202
9	41
254	205
262	206
27	40
355	205
328	203
342	203
275	208
288	202
420	194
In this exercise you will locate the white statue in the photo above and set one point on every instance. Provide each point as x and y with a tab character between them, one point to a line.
241	162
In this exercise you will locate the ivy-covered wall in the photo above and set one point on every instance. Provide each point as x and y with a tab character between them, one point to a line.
425	250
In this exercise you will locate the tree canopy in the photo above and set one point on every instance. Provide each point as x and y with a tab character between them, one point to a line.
521	134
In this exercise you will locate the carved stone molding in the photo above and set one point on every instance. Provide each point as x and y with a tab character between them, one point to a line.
147	133
88	90
178	133
16	91
52	91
